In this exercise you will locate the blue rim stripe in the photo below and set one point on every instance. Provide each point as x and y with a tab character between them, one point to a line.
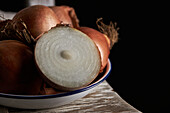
61	94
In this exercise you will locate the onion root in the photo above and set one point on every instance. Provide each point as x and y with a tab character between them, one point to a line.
109	30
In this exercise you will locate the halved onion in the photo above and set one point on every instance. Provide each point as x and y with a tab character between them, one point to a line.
67	58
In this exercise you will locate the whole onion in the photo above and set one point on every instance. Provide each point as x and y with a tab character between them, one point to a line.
18	74
104	39
38	19
67	15
100	41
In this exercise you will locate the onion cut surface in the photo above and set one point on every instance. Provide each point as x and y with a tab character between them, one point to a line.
67	58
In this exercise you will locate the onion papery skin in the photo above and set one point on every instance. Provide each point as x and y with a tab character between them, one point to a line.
18	74
66	15
38	19
101	42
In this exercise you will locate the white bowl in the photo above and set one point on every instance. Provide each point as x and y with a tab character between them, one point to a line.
51	101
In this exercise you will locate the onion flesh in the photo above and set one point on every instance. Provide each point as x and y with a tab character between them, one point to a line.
67	58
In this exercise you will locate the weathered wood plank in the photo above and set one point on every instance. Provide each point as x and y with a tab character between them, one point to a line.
101	100
3	109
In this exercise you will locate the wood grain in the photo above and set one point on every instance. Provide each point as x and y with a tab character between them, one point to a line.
3	109
101	100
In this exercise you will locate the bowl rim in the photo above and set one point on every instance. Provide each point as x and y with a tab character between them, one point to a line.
106	74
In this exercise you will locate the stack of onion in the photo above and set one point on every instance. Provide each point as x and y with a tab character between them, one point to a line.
67	58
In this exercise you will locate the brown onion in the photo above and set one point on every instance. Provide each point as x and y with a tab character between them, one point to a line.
18	73
67	15
38	19
104	39
100	41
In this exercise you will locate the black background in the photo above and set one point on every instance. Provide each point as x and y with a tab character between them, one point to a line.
139	59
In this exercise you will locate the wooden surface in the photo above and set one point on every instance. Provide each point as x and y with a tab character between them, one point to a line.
101	100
